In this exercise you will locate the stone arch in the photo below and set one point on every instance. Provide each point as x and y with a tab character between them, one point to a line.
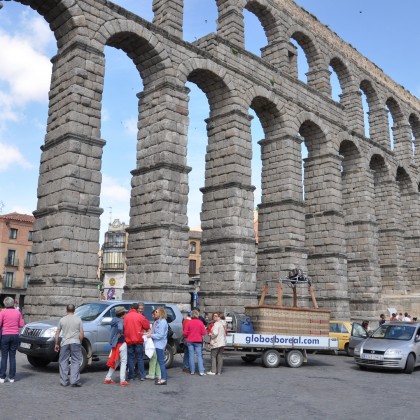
343	74
63	16
266	15
213	80
143	47
414	122
318	74
314	129
352	158
369	90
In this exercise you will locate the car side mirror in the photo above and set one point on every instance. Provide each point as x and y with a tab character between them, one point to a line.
106	320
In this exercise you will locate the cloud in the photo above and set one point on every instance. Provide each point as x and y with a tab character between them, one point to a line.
113	190
25	66
10	156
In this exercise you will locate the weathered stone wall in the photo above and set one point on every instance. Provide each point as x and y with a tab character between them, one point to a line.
354	225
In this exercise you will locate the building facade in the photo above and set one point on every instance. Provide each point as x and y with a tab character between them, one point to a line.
15	255
113	261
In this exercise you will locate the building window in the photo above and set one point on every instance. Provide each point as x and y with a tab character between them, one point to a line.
26	280
114	240
193	268
193	247
28	260
11	258
8	279
30	235
13	233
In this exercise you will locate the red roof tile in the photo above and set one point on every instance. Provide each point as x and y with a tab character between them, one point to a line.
28	218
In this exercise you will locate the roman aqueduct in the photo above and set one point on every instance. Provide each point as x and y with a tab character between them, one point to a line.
355	229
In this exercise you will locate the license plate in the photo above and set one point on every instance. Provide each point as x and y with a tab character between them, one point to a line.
25	345
372	356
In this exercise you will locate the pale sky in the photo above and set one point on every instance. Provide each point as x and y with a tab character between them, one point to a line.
385	31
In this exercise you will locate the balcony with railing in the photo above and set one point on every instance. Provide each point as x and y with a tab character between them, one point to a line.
11	262
113	266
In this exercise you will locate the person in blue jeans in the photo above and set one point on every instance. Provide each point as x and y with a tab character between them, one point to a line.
159	335
193	333
10	322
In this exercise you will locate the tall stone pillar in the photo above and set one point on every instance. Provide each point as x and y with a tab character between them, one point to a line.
379	126
169	15
410	205
352	102
66	231
364	277
230	22
391	243
157	254
402	142
325	232
320	79
282	55
228	264
281	215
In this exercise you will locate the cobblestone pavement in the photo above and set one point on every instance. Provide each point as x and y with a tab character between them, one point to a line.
327	387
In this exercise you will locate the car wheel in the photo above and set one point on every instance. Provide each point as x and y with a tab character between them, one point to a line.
271	358
249	358
169	356
84	362
37	362
346	349
409	366
294	358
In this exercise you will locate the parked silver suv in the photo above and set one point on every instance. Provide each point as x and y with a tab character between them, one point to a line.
37	338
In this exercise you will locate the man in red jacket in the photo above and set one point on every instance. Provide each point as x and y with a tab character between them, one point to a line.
135	325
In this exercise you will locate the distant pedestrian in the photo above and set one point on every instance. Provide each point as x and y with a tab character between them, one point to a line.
407	318
70	346
119	348
393	317
10	322
194	332
400	317
217	344
365	325
135	325
382	319
186	357
200	317
159	335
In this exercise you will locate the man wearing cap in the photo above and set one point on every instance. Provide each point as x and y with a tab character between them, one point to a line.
70	346
119	348
135	325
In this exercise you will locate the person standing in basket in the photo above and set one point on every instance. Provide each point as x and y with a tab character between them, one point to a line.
217	344
194	332
159	335
70	346
119	348
10	322
135	324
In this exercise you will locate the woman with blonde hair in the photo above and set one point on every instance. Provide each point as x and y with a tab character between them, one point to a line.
217	344
159	335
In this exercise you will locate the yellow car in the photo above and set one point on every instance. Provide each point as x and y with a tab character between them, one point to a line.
342	331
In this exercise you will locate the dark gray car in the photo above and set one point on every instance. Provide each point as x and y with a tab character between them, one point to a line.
37	338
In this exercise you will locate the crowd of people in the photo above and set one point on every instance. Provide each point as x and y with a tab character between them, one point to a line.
398	317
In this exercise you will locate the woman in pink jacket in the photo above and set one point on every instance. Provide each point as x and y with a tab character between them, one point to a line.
10	322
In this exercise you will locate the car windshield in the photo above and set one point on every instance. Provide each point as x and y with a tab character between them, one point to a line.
394	332
90	311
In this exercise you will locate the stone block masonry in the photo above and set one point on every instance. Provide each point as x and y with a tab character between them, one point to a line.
352	223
